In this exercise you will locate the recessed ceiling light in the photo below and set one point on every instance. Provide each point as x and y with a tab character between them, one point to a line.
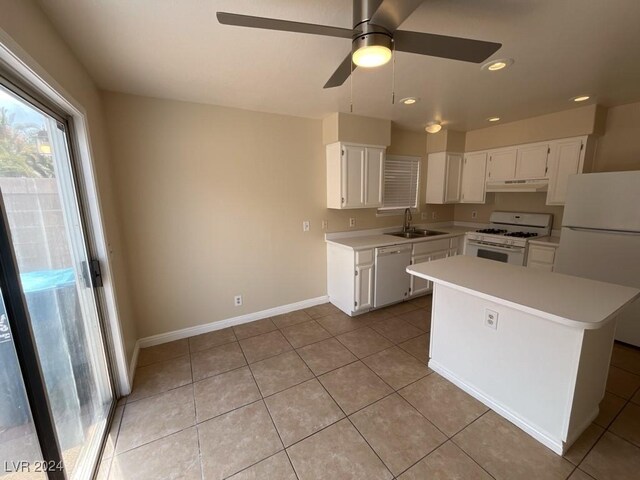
581	98
493	119
409	100
500	64
433	127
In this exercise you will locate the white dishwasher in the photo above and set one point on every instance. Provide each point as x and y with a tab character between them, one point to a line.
392	280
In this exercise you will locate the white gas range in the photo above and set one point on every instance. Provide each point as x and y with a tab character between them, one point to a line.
506	238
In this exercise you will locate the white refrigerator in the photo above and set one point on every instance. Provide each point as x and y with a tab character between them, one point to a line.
601	237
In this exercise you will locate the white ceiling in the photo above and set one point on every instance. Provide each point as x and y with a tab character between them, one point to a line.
177	50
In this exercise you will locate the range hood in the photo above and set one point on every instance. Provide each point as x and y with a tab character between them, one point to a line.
536	185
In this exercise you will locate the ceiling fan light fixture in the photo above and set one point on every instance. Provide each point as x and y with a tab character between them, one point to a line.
433	127
500	64
581	98
372	50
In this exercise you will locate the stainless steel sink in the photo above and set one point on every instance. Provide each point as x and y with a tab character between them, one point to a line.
417	233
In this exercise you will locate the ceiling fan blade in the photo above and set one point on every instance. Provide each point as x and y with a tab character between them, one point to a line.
456	48
283	25
341	73
391	13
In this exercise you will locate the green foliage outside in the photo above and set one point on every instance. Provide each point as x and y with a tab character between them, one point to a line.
20	155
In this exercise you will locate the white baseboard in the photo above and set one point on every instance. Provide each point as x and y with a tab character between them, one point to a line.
557	445
229	322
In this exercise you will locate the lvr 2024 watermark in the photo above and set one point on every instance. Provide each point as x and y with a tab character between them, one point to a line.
23	466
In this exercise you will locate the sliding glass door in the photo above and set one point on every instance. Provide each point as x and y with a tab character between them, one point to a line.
55	398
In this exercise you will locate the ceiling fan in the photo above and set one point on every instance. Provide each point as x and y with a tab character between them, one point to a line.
375	36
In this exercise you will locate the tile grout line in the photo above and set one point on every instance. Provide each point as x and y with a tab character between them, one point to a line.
467	453
195	425
270	416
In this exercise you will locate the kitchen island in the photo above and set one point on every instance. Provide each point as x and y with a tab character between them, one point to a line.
532	345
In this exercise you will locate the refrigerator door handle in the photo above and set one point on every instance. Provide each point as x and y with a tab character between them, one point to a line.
601	230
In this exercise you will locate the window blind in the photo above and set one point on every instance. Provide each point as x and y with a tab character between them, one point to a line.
401	176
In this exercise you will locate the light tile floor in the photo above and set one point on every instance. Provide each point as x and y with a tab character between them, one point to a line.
316	394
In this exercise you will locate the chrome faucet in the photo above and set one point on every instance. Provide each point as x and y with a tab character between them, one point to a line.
406	226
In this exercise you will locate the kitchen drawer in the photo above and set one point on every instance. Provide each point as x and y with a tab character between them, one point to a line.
540	254
364	257
420	248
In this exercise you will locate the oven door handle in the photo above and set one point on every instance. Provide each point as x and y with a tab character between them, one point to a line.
496	247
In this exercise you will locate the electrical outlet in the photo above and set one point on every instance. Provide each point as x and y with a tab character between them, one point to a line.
424	215
325	224
352	222
433	216
237	300
474	214
491	319
305	226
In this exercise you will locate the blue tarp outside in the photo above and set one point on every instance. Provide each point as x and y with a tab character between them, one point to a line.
47	279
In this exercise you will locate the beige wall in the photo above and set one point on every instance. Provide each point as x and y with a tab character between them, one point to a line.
213	201
585	120
619	148
25	23
346	127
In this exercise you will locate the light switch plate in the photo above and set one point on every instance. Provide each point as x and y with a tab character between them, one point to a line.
352	222
491	319
305	226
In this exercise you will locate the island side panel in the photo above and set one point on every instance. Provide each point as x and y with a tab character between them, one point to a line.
525	369
591	382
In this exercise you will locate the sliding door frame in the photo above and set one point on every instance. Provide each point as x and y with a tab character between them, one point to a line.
15	302
23	71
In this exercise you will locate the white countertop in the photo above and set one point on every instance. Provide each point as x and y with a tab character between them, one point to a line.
572	301
552	241
359	242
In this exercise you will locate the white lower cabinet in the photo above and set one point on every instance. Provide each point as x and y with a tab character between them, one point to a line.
351	273
363	288
350	277
427	252
541	257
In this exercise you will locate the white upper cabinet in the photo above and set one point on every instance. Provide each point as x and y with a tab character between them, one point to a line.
531	161
502	164
444	174
354	176
566	158
374	179
473	178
